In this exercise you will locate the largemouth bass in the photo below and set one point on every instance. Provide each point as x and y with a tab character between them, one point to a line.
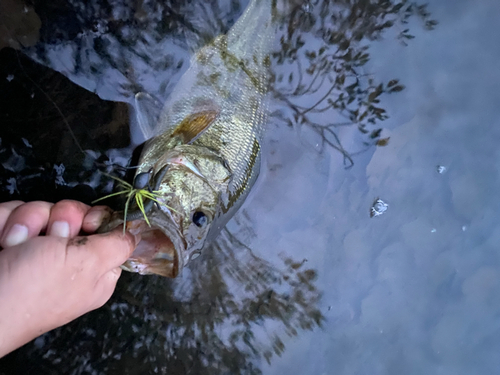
205	154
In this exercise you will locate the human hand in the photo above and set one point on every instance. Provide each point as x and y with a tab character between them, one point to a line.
47	281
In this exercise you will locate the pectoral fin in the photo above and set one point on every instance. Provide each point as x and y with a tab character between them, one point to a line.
147	111
194	125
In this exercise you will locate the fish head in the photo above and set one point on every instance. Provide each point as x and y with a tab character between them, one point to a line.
192	191
189	184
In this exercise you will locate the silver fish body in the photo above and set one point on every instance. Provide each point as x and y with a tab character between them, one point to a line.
204	154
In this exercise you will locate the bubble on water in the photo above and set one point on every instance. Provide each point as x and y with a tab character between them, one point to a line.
378	208
441	169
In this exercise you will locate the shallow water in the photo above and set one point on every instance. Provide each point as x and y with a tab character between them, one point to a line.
303	280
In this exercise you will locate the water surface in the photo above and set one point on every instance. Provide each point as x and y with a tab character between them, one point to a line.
303	280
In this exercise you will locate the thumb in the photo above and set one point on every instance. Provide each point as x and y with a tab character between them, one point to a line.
111	249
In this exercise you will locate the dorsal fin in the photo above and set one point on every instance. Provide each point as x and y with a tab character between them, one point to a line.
194	125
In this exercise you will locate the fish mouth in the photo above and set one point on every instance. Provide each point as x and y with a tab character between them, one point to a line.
160	249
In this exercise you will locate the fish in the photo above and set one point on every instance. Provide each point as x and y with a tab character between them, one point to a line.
203	154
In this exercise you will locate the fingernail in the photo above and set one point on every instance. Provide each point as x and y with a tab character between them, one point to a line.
17	234
96	217
59	229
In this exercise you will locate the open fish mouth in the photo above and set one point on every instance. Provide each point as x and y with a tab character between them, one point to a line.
160	249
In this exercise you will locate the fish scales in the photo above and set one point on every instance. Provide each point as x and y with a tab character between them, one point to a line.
205	152
233	71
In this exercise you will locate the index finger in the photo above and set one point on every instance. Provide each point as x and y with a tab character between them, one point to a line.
109	250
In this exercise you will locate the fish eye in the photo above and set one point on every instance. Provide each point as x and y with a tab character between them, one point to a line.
142	179
200	219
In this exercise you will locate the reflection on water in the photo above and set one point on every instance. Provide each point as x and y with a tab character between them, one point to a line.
325	86
237	306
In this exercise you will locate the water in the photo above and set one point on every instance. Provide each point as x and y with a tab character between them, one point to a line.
303	280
